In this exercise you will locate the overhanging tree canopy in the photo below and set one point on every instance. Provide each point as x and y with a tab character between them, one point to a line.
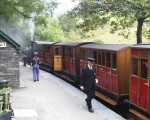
13	8
125	13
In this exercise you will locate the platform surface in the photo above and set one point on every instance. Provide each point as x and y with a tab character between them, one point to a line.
53	99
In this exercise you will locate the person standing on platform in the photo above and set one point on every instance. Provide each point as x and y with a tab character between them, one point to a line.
35	65
24	60
88	83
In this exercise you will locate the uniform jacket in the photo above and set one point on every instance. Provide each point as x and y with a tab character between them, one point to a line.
88	80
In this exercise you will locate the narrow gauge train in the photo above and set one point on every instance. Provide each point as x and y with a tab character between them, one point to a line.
123	71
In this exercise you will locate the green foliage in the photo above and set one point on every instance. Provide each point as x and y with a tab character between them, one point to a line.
120	14
48	28
13	8
50	6
68	22
146	31
69	25
18	11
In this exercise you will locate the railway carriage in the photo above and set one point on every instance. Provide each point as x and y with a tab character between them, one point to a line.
45	53
112	64
140	81
66	59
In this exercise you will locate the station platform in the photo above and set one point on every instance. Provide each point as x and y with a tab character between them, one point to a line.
53	99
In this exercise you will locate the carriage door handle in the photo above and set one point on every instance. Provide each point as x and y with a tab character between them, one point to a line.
148	83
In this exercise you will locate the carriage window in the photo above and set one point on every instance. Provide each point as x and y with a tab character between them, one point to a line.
57	51
135	66
144	70
83	54
103	58
99	59
67	52
95	57
114	61
108	59
90	54
71	52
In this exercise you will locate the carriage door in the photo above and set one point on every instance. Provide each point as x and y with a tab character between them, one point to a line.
58	59
50	57
143	83
66	60
148	83
134	80
83	62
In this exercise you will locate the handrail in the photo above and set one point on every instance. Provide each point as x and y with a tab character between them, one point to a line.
148	83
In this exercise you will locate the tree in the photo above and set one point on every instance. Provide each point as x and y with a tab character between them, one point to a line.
48	28
13	8
21	12
50	7
68	22
118	13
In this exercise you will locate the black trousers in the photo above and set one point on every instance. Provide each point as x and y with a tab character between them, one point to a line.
89	100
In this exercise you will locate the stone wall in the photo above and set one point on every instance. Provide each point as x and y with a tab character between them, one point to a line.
9	65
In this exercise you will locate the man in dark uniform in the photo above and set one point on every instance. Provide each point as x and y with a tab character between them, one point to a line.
88	83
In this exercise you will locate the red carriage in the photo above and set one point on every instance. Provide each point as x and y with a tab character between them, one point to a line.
112	64
140	81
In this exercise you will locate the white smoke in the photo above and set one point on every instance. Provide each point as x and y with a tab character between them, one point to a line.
14	32
31	26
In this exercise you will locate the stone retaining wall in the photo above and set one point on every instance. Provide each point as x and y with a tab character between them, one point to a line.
9	64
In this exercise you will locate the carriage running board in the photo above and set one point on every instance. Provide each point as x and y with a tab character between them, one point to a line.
137	115
106	99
